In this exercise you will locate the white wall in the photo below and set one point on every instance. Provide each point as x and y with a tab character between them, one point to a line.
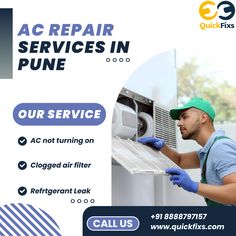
230	130
131	190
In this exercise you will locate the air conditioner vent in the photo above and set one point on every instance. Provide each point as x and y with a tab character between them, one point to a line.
164	126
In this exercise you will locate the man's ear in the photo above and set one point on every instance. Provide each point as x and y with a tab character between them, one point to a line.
204	117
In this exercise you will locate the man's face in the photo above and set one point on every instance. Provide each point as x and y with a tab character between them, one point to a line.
190	123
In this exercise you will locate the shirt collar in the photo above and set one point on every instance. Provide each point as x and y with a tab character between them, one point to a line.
211	140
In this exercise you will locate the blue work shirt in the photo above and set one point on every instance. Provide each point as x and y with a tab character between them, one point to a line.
221	159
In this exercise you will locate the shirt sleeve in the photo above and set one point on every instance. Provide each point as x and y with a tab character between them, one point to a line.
224	157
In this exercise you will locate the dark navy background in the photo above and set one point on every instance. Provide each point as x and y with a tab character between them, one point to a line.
6	38
215	216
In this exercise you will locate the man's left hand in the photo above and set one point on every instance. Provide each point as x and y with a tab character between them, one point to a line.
182	179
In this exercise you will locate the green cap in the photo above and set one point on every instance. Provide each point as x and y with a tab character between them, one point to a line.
197	103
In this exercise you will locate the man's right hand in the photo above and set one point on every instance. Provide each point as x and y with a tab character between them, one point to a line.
154	142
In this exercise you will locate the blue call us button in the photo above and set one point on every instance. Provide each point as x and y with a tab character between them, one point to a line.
113	223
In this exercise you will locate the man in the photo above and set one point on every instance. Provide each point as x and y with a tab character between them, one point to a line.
216	158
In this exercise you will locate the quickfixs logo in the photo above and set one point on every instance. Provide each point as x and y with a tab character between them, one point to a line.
216	15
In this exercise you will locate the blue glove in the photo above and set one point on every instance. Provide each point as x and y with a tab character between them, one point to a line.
182	179
155	142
